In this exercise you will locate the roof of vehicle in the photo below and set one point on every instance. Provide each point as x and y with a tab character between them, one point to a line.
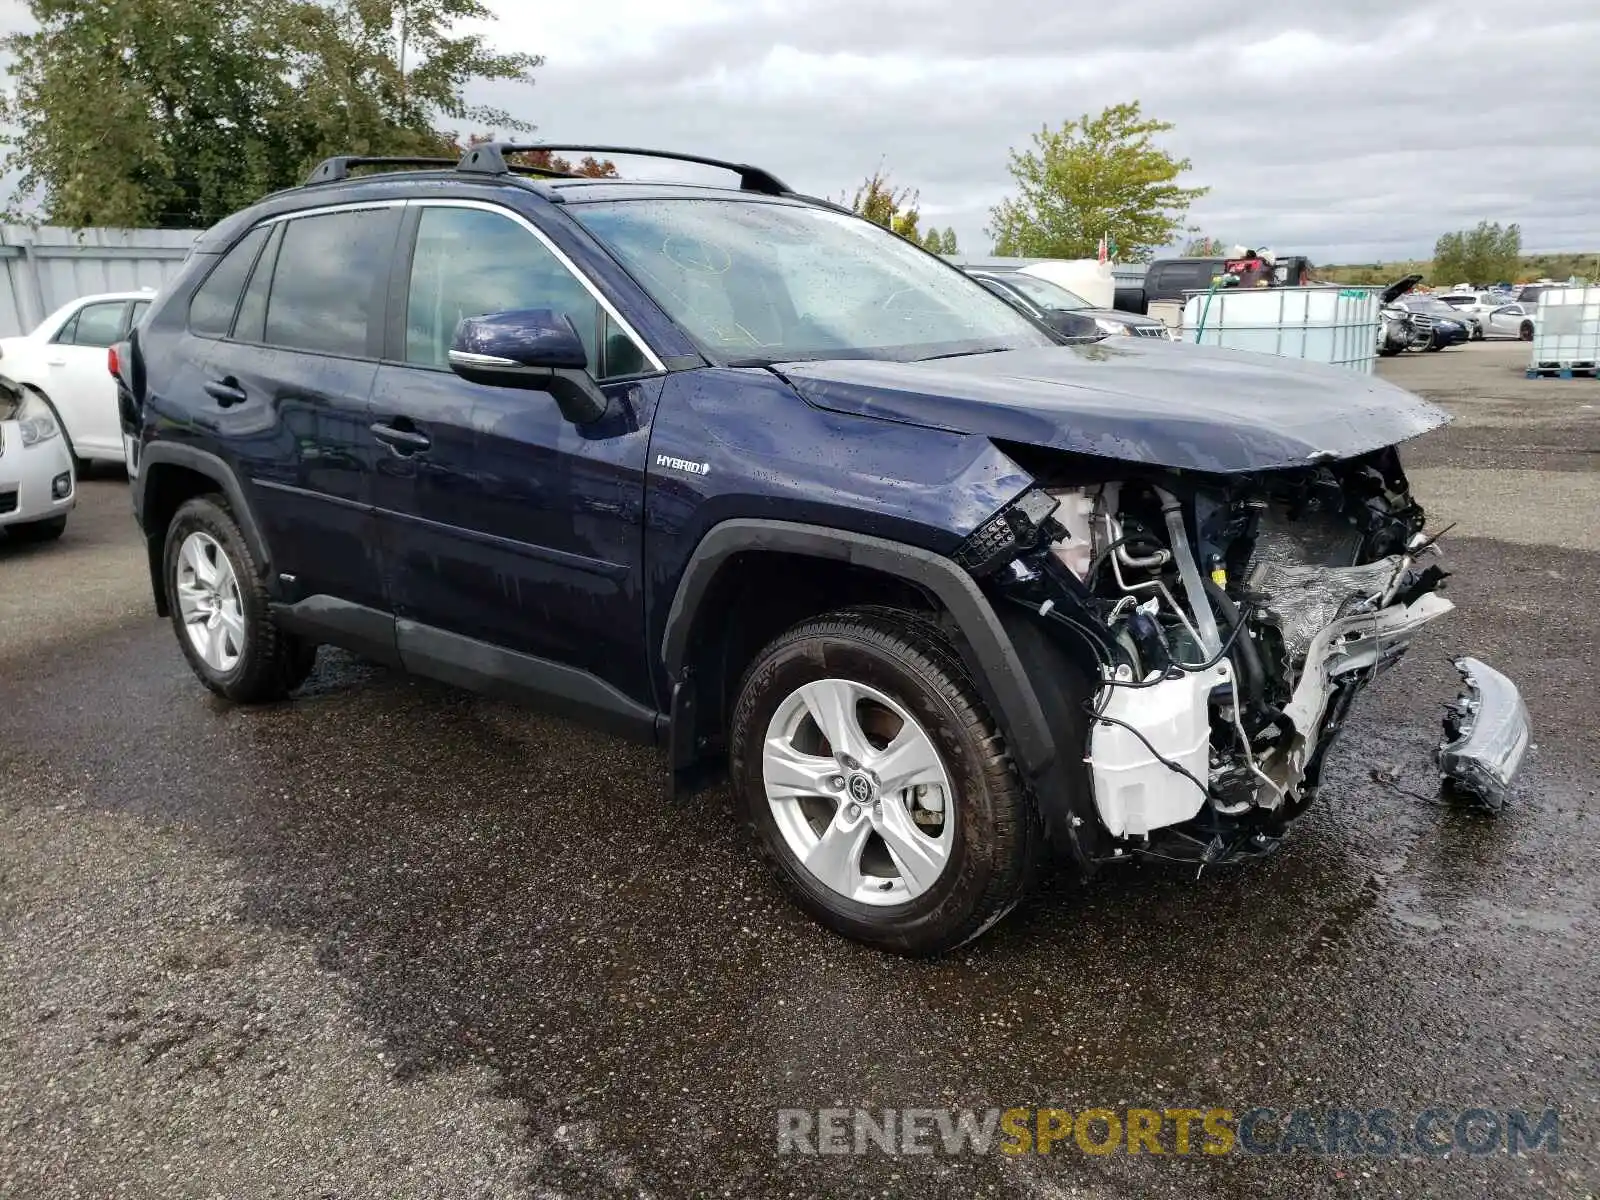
495	164
144	293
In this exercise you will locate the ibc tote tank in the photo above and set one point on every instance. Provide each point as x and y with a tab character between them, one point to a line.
1088	277
1332	325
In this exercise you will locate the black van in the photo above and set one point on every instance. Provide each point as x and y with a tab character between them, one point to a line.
1172	278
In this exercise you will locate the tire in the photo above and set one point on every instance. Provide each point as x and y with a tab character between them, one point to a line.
1525	333
987	843
1433	346
258	662
31	532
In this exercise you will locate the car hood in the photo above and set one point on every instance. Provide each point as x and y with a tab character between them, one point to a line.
1398	288
1115	314
1139	400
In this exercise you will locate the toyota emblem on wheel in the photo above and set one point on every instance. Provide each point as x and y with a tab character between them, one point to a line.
861	789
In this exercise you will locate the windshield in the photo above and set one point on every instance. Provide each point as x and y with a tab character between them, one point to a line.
1046	294
758	283
1436	307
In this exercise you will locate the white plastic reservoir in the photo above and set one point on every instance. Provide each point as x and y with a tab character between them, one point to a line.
1566	329
1087	277
1134	790
1331	325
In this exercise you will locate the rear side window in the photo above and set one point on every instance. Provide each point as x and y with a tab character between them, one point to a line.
1173	279
329	281
211	310
93	325
250	326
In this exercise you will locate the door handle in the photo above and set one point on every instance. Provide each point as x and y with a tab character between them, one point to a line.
225	392
55	362
401	441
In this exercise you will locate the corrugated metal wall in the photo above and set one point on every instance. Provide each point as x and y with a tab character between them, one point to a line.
45	267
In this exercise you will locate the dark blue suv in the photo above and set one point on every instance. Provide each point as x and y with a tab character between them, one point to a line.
736	472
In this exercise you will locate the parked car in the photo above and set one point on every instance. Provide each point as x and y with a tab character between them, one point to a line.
1474	304
37	487
1529	293
63	359
1512	321
1173	278
1066	312
1449	326
741	474
1398	329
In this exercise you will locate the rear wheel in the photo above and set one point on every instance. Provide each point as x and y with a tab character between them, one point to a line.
37	531
219	608
878	786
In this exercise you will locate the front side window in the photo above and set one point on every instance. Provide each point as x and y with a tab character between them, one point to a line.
470	263
756	283
329	281
211	310
94	325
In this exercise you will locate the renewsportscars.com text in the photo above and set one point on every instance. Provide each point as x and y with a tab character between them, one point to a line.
1348	1132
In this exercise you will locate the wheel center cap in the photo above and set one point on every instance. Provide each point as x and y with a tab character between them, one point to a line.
862	789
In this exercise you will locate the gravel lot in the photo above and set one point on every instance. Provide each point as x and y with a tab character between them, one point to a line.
394	940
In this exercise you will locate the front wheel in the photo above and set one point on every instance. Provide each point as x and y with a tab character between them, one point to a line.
877	784
219	608
1525	334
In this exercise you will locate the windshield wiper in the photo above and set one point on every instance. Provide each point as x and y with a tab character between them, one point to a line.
964	353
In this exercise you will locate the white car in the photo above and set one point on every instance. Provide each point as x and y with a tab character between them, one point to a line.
37	484
1512	321
1476	304
64	361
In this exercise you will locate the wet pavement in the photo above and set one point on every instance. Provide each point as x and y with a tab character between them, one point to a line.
391	939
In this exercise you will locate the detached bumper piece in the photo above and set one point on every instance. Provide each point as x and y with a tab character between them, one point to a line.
1486	733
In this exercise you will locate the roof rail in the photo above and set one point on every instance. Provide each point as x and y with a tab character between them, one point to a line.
331	170
489	158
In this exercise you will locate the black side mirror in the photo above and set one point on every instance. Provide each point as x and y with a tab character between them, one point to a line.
533	348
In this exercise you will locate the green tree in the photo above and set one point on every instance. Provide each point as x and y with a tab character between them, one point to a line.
947	242
1486	254
1099	175
1204	246
178	112
880	201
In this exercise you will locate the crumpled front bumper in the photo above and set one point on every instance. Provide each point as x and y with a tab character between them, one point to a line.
1487	732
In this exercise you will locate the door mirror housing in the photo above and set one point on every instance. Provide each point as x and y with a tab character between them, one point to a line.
535	349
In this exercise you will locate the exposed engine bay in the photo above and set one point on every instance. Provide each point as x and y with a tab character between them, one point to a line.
1231	621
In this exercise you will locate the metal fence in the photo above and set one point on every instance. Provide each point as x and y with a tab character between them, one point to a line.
47	266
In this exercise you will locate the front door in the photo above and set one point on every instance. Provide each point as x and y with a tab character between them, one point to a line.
514	538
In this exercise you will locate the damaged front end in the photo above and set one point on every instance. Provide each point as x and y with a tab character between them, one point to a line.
1226	624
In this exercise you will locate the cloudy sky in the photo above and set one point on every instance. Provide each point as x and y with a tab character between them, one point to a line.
1344	129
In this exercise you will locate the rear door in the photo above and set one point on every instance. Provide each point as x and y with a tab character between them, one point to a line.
289	391
515	538
78	383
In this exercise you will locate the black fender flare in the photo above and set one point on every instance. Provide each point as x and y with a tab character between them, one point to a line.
202	462
991	655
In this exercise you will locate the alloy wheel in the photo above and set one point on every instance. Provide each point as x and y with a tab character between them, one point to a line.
208	601
859	792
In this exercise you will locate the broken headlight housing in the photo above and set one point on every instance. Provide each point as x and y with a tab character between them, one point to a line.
1017	527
